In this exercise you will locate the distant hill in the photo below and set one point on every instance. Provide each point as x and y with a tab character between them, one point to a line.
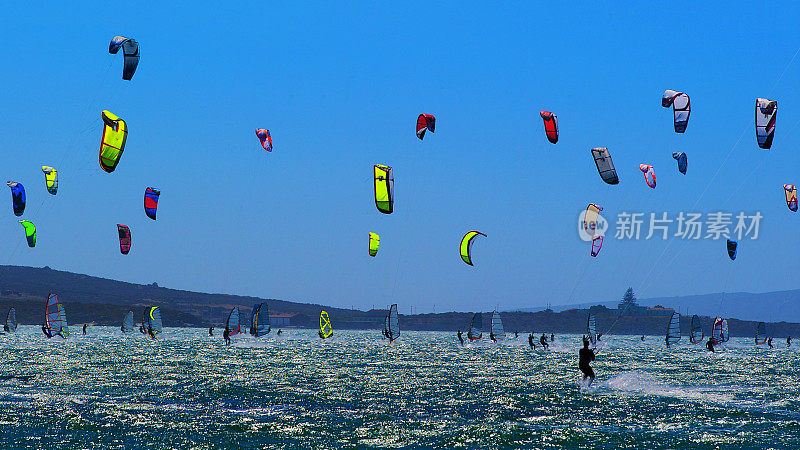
105	302
765	307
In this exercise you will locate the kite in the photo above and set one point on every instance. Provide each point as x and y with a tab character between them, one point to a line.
151	202
384	188
605	166
791	196
550	126
112	144
17	197
124	238
466	245
50	179
425	122
649	175
30	232
374	242
766	110
732	246
681	158
680	108
265	138
130	50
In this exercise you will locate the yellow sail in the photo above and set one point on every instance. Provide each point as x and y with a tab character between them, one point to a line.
374	242
115	133
325	328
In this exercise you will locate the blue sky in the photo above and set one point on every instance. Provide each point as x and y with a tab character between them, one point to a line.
340	88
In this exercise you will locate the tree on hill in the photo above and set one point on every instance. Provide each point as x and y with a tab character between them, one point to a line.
628	301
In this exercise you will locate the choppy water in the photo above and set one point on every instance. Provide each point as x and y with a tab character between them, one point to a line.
187	390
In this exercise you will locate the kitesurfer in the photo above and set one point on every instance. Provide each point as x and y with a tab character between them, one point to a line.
530	341
642	338
516	334
211	330
227	336
710	345
552	337
769	342
46	331
460	338
586	356
788	341
543	341
84	328
280	332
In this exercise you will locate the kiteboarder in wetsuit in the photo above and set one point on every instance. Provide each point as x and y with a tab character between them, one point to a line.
543	341
211	330
84	328
642	338
530	341
552	337
586	356
280	332
710	345
769	342
788	341
460	338
516	334
46	331
227	336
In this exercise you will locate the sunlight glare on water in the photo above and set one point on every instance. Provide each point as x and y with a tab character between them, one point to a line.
187	390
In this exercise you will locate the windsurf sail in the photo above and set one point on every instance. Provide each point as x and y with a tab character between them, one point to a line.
154	320
674	329
725	334
717	337
232	324
259	321
127	322
696	333
393	323
475	327
52	319
62	317
325	328
143	325
497	327
591	329
11	321
761	333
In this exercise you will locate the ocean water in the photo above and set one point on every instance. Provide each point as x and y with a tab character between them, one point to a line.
187	390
